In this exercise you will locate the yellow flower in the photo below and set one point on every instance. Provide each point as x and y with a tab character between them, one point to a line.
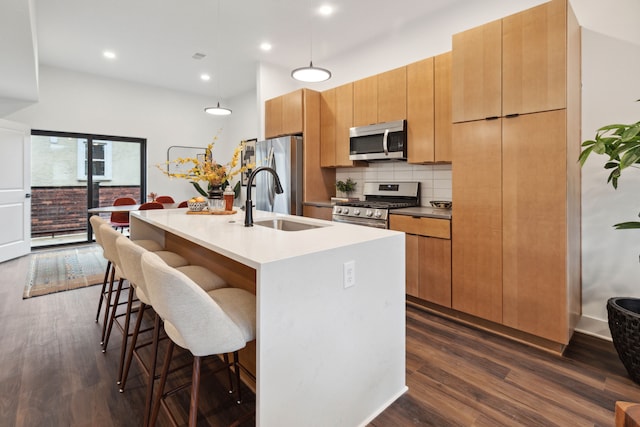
207	168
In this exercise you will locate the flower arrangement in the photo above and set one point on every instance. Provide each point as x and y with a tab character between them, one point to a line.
207	169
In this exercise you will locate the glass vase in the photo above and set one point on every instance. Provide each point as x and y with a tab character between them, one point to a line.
216	200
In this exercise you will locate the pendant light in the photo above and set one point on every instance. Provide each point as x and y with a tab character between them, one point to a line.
311	74
218	110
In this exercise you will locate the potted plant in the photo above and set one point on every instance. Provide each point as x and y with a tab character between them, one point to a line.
621	143
346	187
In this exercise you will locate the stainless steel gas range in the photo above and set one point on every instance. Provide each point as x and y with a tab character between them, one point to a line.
380	197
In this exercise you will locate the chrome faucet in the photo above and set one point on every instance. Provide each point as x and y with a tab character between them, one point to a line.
248	206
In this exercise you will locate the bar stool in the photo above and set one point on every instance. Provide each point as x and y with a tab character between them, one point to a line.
131	265
109	237
96	221
205	323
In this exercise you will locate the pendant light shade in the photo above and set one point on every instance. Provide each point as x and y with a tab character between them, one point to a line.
311	74
218	110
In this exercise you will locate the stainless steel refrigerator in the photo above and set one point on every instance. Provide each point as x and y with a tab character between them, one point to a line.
283	154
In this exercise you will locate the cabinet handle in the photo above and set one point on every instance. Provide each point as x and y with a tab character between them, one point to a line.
492	118
510	116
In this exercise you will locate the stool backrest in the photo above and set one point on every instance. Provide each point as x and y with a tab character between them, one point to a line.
109	237
96	222
130	256
193	320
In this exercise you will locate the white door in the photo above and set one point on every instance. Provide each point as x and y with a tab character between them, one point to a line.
15	187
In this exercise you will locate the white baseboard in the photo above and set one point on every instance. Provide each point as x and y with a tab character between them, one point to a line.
595	327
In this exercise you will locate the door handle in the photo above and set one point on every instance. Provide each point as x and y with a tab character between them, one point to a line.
27	196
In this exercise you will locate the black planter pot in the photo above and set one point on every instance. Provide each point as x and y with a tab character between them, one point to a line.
624	324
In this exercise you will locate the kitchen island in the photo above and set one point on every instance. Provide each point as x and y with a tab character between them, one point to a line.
330	347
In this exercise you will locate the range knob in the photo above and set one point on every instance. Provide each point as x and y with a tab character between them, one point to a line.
378	214
369	213
338	210
356	212
345	211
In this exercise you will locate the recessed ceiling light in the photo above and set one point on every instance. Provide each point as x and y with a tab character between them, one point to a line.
325	10
205	77
109	54
266	46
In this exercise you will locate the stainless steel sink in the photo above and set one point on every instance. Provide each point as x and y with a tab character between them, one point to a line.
286	224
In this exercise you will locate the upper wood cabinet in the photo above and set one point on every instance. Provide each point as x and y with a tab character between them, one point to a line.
442	99
365	101
273	117
534	58
516	65
477	73
284	115
336	117
429	123
392	95
420	112
380	98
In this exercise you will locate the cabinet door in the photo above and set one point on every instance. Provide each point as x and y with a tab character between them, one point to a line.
477	220
328	128
392	95
412	265
535	224
435	270
420	112
318	212
292	112
442	113
476	73
344	121
273	117
365	101
534	59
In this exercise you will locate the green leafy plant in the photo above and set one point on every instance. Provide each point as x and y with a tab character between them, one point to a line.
346	186
621	143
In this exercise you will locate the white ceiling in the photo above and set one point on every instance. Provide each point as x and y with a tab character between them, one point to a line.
155	39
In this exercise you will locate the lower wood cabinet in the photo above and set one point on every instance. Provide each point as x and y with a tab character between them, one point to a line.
428	257
318	212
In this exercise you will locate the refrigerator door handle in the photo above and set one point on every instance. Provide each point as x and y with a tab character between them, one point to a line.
272	186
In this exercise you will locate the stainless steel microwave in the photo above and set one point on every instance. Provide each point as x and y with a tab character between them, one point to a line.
381	141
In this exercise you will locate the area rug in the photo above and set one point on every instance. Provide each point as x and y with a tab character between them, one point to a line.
59	270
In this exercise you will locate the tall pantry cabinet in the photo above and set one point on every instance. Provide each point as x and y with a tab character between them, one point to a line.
516	180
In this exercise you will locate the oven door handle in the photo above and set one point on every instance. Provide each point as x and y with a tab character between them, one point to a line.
385	147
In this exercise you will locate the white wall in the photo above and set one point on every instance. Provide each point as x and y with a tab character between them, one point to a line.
76	102
610	267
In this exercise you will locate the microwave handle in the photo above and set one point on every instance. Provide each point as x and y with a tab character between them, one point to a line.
385	147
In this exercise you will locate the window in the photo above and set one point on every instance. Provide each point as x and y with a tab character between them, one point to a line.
102	160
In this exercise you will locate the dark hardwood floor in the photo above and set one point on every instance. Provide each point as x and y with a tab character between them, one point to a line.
52	373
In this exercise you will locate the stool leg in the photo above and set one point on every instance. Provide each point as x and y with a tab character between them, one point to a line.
108	303
125	334
132	346
195	386
161	384
114	308
236	366
104	288
152	372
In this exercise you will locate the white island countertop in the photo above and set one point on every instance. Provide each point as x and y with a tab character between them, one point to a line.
330	312
253	246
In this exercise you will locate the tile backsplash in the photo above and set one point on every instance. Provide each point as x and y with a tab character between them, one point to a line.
435	180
